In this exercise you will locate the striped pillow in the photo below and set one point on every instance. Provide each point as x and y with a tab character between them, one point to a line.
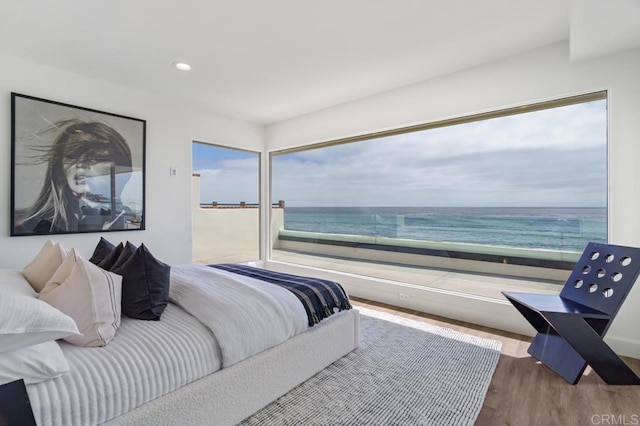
88	294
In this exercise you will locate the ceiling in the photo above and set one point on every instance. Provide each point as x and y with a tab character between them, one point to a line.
268	61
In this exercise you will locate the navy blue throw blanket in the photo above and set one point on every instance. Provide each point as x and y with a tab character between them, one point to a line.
319	297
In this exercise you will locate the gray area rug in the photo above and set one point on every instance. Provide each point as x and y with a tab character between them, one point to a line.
404	372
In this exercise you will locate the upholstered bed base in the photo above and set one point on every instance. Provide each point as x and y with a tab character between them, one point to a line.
232	394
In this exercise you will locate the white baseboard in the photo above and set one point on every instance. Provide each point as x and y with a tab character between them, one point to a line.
489	312
623	346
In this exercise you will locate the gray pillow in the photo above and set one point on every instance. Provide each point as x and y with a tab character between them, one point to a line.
110	260
145	285
101	251
127	251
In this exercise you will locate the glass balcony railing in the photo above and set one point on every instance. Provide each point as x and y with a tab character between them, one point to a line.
541	239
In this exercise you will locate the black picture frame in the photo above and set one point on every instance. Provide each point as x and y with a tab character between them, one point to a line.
75	169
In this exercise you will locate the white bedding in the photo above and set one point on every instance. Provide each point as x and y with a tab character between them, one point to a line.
222	319
226	303
146	359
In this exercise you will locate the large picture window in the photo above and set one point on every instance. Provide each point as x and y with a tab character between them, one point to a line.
524	186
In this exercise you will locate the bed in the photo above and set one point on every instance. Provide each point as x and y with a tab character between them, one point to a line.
188	368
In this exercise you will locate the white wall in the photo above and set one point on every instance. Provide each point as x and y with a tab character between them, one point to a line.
173	124
535	76
171	127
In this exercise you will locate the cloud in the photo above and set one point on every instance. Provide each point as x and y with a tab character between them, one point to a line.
554	157
227	175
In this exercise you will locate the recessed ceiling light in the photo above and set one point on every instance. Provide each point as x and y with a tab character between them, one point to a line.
182	66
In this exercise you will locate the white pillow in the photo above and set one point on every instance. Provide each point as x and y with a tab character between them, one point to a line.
33	364
88	294
25	320
46	262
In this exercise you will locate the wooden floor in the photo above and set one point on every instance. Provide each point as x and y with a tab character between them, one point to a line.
524	392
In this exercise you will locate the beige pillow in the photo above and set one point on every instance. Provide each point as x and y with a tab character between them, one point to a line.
88	294
62	273
43	266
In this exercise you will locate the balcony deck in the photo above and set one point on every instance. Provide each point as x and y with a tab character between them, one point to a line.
477	284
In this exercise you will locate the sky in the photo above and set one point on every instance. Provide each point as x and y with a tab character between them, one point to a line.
227	175
550	158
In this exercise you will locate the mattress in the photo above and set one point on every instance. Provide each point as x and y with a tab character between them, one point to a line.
146	359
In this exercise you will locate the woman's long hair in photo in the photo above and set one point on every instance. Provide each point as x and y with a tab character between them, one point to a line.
77	140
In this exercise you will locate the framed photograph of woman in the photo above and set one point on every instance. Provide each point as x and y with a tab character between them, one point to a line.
75	169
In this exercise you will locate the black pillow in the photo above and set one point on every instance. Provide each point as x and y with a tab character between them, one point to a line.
108	262
145	285
127	251
101	251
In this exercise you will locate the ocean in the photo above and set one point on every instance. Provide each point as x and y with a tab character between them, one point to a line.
565	229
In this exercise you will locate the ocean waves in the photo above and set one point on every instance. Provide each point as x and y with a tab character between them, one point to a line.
566	229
